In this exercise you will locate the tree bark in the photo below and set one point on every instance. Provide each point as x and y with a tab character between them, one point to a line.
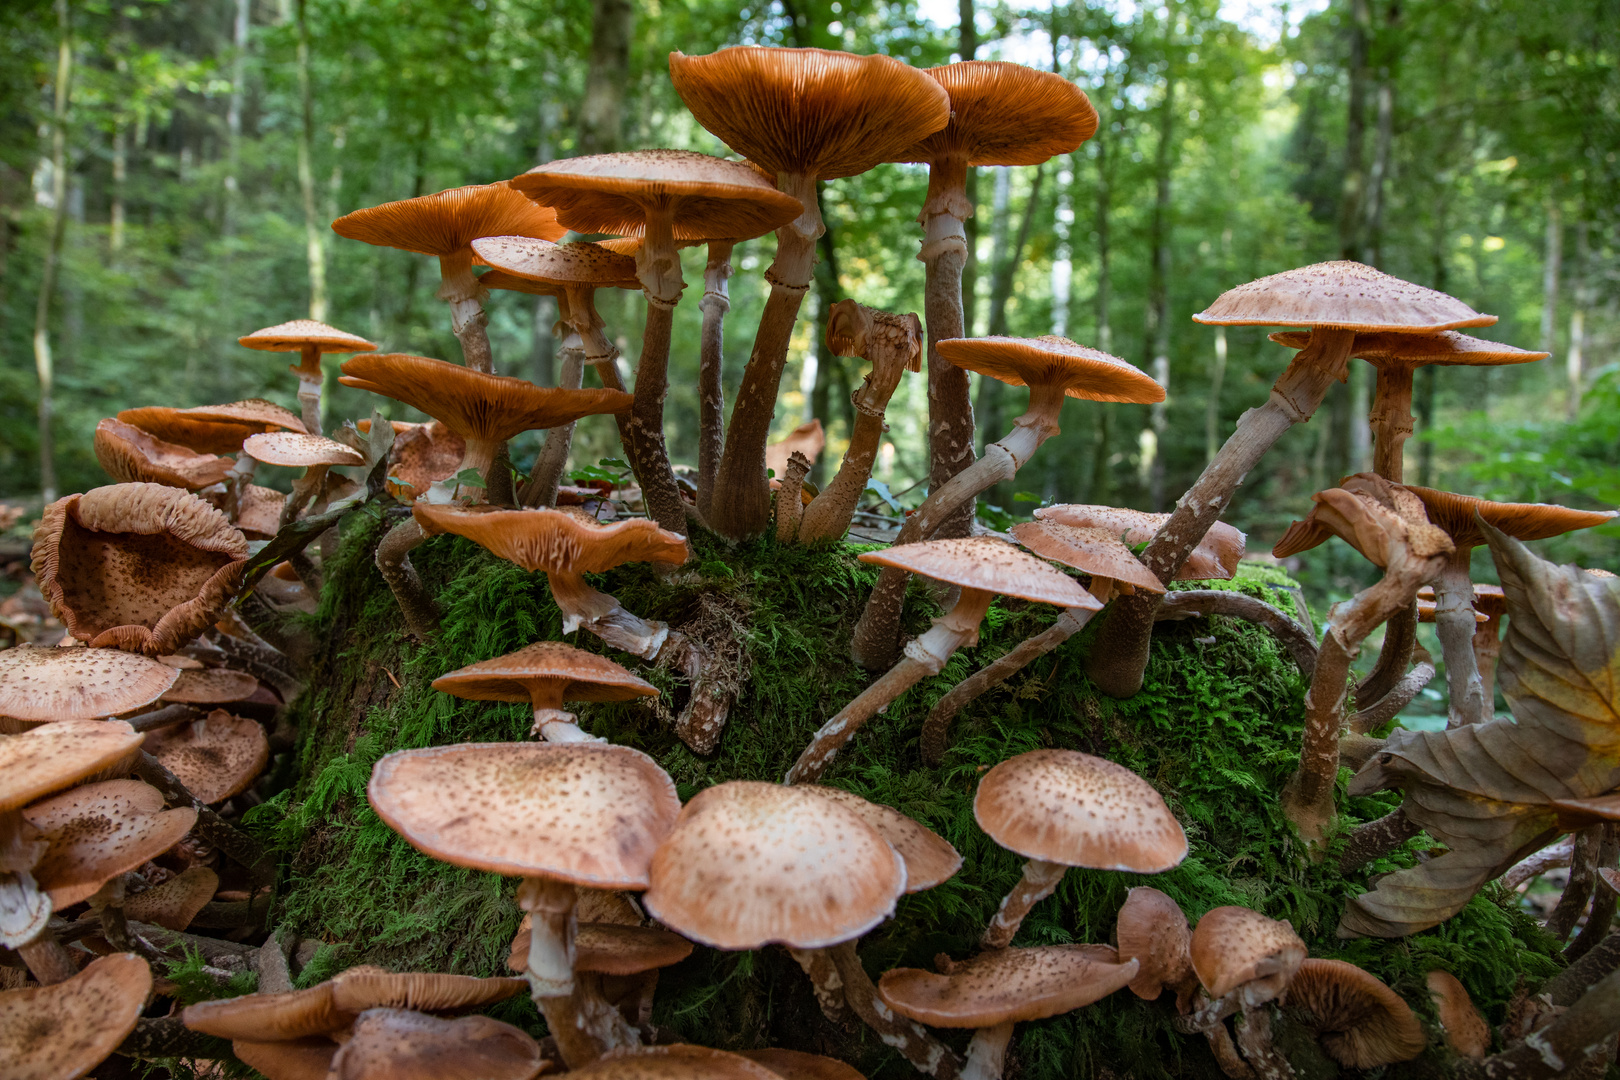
715	304
233	112
44	364
314	233
1552	268
1574	362
600	117
1156	334
1352	189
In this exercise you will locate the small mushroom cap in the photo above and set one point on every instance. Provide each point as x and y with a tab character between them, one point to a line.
1088	374
1091	551
445	223
1062	806
556	541
130	455
216	757
66	1029
808	439
1579	813
397	1044
559	265
47	759
367	987
1153	930
211	429
1006	114
258	514
1490	600
98	831
1359	1021
751	863
173	904
678	1061
983	562
1447	348
929	859
296	1014
1369	513
1425	606
1214	559
518	676
299	450
1465	1030
422	455
295	1059
610	948
1343	294
300	334
1523	521
1007	985
1234	945
798	1065
41	684
587	813
810	111
211	686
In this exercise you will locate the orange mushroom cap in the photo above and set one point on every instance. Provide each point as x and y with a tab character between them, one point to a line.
300	334
988	564
1359	1021
1448	348
130	455
300	450
557	265
447	222
1091	551
1232	946
526	674
1007	985
47	759
1523	521
1088	374
68	1028
98	831
930	860
1153	930
1006	114
1214	559
216	757
1465	1029
1343	294
555	540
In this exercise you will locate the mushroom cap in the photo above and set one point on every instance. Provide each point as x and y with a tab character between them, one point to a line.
445	223
295	1059
47	759
519	676
675	1062
296	1014
300	334
1490	600
97	831
1343	294
397	1044
173	904
1447	348
750	863
40	684
211	429
368	987
1234	945
1002	986
1523	521
258	514
586	813
1152	929
1062	806
1425	605
616	193
1359	1021
130	455
262	414
422	455
211	686
610	948
500	279
798	1065
810	111
1465	1030
1214	559
580	264
1369	513
1579	813
68	1028
930	860
1097	552
1088	374
556	541
1006	114
300	450
474	404
983	562
215	757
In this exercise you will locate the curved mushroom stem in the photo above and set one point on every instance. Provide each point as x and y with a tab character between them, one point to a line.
394	562
790	499
826	982
711	366
1394	657
1254	1039
541	488
601	354
957	628
1399	697
1573	1038
943	255
927	1054
1454	625
987	1053
25	909
583	1024
1376	839
1226	1054
236	483
310	378
460	289
586	608
658	265
1038	882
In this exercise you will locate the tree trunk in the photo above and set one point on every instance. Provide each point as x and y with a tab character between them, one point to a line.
1582	297
600	117
1156	334
827	362
1427	385
1101	468
1212	408
1552	268
1351	192
44	365
233	112
314	233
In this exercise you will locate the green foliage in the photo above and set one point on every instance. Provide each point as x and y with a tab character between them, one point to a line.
193	984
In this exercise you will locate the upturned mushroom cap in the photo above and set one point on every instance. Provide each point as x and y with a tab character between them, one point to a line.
1091	551
141	567
40	684
211	686
676	1062
1369	513
810	111
447	222
422	455
1523	521
216	757
1447	348
750	863
130	455
98	831
1062	806
1002	986
1153	930
610	948
1006	114
1088	374
557	541
1359	1021
808	439
47	759
559	265
299	450
397	1044
296	1014
300	334
367	987
1343	294
983	562
211	429
1465	1030
66	1029
1232	946
261	414
930	860
173	904
1214	559
797	1065
295	1059
587	813
523	675
475	404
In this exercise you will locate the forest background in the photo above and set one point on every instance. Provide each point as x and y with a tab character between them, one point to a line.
169	169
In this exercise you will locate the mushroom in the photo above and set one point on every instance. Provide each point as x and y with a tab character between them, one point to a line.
40	685
216	757
397	1044
675	1062
130	455
545	675
808	439
422	455
804	115
212	429
65	1030
1360	1022
798	1065
211	686
258	510
315	454
1491	602
295	1059
1244	960
1215	558
984	567
1153	930
1062	808
173	904
1054	369
1466	1031
309	339
97	832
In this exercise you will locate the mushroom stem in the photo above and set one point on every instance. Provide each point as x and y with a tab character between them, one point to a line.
1399	697
310	378
987	1053
481	456
541	489
460	289
236	483
711	361
1391	419
1454	625
649	457
1394	656
584	1025
394	562
1254	1039
1117	663
48	959
552	722
944	255
1039	880
304	489
1487	648
1226	1054
926	656
825	981
790	499
927	1054
586	608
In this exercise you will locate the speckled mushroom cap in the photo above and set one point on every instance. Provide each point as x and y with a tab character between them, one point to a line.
397	1044
68	1028
1465	1030
798	1065
1214	559
447	222
216	429
1062	806
810	111
929	859
1083	373
300	450
422	455
1006	114
1523	521
556	541
215	757
983	562
299	334
586	813
40	684
130	455
1448	348
296	1059
1091	551
140	567
258	514
1343	294
1153	930
211	686
296	1014
368	987
47	759
475	404
1232	946
173	904
525	675
1007	985
610	948
1368	513
97	831
1359	1021
749	863
261	414
676	1062
583	264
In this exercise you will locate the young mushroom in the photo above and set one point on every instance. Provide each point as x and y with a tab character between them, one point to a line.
65	1030
1244	961
1152	930
1360	1022
1465	1030
130	455
545	675
315	454
310	339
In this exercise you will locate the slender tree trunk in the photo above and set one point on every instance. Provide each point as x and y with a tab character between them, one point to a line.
1552	268
1351	191
1427	385
967	47
600	118
827	362
1212	409
314	236
543	351
233	112
1156	336
1102	299
43	363
1582	297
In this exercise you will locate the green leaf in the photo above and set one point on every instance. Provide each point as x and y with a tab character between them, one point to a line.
996	517
589	473
881	490
1027	496
469	478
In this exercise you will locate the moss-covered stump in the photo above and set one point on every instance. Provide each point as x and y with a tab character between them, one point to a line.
1215	729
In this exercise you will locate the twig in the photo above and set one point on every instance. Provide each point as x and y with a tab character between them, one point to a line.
167	1037
232	841
1294	637
1564	1044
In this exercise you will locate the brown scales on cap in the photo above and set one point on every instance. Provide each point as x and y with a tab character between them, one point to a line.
173	904
258	512
300	335
1091	551
1214	559
544	670
396	1044
1234	946
580	264
216	757
1007	986
676	1062
211	686
1049	361
44	684
987	564
1359	1021
446	223
422	455
300	451
183	427
797	1065
67	1029
47	759
99	831
130	455
1344	295
929	859
1153	930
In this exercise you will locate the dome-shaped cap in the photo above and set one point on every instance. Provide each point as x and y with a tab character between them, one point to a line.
1214	559
587	813
447	222
1153	930
296	1014
98	831
517	676
397	1044
1448	348
556	541
215	757
211	686
751	863
1001	986
1091	551
265	415
1359	1021
368	987
1523	521
1232	946
582	264
130	455
475	404
41	684
299	450
1465	1030
930	860
810	111
300	334
47	759
1006	114
1062	806
66	1029
1343	294
173	904
1088	374
610	948
983	562
798	1065
676	1062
